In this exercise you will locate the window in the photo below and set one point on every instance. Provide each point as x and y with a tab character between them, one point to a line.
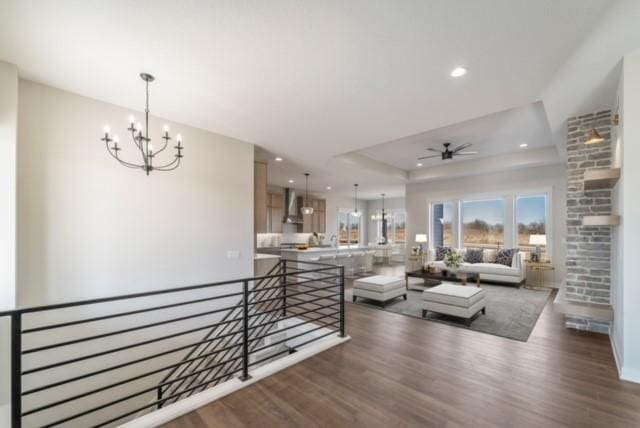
348	228
442	215
483	223
396	226
531	219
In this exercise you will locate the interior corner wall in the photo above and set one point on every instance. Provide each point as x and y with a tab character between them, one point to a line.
552	177
8	143
630	178
89	227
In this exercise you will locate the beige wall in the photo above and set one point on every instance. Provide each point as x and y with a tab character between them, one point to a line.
90	227
505	184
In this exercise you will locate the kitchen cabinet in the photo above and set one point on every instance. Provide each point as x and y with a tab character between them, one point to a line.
315	222
260	197
275	212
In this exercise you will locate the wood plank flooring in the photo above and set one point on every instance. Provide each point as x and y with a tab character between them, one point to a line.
402	371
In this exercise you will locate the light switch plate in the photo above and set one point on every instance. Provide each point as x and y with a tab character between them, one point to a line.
233	254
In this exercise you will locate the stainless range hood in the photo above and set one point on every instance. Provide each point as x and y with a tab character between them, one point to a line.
291	215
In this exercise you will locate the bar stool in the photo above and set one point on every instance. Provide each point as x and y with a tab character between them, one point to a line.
368	260
344	259
357	262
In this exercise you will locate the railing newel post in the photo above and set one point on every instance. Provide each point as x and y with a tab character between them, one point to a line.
284	287
16	370
245	331
342	329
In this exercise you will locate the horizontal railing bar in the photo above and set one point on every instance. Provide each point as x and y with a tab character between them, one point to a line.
104	388
155	403
122	314
95	409
125	330
293	337
310	278
304	316
283	319
298	346
271	333
292	294
122	348
152	293
258	285
119	366
302	283
290	306
287	261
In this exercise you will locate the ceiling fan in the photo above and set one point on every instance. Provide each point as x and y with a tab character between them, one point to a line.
448	153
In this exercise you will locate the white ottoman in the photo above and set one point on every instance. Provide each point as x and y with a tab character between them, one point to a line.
380	288
457	300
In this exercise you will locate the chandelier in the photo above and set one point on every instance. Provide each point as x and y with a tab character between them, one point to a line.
379	216
143	142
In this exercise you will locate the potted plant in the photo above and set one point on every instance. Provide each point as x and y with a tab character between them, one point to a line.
453	261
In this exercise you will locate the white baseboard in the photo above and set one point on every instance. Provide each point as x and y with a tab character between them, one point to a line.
624	373
616	354
203	398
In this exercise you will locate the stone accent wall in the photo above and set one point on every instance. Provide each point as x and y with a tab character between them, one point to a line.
588	259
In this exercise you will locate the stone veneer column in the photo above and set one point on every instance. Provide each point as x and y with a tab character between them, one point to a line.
588	260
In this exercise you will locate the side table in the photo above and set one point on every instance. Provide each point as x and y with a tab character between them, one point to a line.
539	268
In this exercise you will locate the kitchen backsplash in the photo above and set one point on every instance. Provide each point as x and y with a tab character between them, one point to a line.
265	240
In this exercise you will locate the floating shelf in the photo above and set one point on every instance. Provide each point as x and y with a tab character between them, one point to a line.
601	220
582	309
596	179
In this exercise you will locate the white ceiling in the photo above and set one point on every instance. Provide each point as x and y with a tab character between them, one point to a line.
492	135
309	80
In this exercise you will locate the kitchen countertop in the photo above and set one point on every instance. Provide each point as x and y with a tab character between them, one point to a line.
261	256
325	249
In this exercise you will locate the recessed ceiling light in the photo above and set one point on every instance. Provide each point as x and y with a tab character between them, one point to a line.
278	159
524	145
291	181
458	72
328	187
419	164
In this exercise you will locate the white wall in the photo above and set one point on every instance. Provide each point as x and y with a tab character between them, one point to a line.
504	183
90	227
626	313
8	143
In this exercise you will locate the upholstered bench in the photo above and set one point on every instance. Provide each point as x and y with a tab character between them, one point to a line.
380	288
456	300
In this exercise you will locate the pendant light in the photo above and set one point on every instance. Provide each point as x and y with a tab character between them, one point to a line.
306	209
355	212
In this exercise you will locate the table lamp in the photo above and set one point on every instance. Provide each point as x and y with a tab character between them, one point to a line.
537	240
421	238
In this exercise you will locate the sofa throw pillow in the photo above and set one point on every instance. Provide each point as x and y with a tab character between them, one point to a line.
473	255
489	255
505	256
441	252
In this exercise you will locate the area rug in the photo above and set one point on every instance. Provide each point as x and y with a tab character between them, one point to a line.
511	312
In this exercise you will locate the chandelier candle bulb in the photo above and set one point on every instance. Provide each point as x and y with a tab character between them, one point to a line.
107	129
132	120
179	138
165	128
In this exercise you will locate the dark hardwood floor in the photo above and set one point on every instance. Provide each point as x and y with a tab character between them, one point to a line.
402	371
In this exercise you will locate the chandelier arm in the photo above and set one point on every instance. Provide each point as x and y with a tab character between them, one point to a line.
139	145
171	166
166	141
135	141
123	162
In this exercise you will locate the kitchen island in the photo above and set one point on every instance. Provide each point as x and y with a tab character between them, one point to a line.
355	259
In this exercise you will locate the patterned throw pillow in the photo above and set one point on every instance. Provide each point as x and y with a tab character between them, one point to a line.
473	255
489	255
505	256
441	252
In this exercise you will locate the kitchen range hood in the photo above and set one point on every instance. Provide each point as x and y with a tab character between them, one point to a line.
291	215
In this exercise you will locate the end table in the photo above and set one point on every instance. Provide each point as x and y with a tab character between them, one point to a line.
539	268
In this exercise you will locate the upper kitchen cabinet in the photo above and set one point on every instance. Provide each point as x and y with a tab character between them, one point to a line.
260	197
275	212
315	222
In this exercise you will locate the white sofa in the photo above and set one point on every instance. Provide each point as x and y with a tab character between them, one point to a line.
492	272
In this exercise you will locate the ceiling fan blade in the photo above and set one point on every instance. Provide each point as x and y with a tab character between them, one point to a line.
465	153
462	147
434	150
429	157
